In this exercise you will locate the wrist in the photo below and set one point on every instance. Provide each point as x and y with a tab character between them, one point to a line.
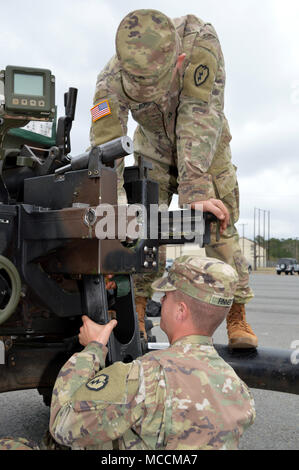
99	351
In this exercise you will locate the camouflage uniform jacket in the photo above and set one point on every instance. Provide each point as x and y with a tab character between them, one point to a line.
186	128
185	397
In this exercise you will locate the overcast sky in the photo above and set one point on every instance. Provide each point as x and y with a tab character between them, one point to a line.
260	42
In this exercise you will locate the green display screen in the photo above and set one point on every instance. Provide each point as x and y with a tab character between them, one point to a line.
28	84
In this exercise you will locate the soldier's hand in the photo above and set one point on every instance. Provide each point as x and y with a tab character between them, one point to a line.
216	207
91	331
109	283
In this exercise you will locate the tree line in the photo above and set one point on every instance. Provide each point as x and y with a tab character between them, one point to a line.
280	248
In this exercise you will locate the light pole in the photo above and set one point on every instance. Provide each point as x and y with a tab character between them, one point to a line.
258	235
268	239
254	241
243	235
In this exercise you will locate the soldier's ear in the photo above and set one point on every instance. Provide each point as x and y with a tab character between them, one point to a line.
182	312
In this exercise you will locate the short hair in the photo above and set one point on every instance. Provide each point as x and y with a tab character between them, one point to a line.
205	317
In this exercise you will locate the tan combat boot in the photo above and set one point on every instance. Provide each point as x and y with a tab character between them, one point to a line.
239	332
140	304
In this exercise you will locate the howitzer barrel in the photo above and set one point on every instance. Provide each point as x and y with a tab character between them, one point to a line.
108	152
117	148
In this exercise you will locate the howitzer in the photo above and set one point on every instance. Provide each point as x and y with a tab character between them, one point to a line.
56	245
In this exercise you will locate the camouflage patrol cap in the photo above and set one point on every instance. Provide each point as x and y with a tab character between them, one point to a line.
147	47
206	279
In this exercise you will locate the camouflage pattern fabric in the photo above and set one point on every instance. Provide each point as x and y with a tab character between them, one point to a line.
185	397
181	126
145	42
48	443
20	443
17	444
206	279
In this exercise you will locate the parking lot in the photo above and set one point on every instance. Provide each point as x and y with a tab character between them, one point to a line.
273	315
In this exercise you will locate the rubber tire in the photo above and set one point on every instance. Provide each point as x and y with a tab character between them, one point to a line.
16	285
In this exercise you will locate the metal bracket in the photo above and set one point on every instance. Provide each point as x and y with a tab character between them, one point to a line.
2	353
94	163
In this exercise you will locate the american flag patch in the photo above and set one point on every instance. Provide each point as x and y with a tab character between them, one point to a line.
100	110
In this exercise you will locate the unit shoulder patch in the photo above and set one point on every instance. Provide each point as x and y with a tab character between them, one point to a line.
98	383
201	74
108	386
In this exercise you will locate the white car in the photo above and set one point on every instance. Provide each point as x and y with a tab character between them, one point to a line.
287	266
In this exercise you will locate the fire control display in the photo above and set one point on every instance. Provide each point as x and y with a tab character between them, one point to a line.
28	84
29	92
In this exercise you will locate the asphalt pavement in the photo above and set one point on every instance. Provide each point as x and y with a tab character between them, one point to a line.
273	315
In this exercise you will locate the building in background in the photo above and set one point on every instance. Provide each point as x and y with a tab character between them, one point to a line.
247	247
248	250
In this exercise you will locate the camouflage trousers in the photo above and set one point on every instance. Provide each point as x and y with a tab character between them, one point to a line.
20	443
227	249
17	444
